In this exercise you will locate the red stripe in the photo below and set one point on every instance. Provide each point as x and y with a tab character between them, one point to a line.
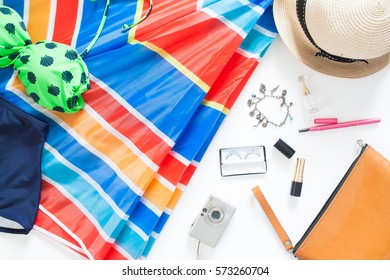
187	175
164	12
75	220
65	22
231	80
200	37
45	222
172	169
126	123
113	254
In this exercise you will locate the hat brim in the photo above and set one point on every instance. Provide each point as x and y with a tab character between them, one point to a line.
290	31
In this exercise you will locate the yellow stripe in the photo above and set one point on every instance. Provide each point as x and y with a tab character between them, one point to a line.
175	63
137	17
38	20
216	106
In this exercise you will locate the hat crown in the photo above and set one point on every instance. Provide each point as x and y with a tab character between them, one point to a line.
358	29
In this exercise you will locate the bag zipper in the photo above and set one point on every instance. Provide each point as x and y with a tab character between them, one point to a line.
330	199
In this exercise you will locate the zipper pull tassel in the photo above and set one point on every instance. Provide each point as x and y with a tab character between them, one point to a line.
273	219
360	143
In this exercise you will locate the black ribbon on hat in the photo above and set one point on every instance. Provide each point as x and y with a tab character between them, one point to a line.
301	13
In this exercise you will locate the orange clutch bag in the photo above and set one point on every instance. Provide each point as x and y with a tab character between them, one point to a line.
354	223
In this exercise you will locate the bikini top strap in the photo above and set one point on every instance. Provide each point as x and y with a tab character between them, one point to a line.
103	21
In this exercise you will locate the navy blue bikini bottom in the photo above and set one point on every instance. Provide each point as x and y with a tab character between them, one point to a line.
21	141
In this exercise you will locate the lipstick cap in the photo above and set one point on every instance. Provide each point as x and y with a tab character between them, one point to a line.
296	189
326	121
284	148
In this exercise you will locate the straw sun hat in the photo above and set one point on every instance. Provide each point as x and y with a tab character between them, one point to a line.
344	38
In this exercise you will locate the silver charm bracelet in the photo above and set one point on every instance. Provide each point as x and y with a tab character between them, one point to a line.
260	117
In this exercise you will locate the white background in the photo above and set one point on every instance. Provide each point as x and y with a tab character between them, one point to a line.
328	155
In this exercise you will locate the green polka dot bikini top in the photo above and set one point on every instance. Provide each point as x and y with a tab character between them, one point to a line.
54	74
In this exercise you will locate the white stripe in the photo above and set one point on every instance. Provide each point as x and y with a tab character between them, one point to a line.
87	178
264	31
77	137
137	230
168	211
81	207
180	158
181	187
254	7
151	206
78	23
59	239
122	251
121	137
199	5
52	19
248	54
165	182
154	234
195	163
133	111
227	22
68	231
26	12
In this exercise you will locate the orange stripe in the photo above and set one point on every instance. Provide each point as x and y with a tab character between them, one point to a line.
98	137
38	20
158	194
102	140
126	123
174	199
18	85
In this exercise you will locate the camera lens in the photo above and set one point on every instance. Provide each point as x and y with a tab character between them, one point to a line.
216	215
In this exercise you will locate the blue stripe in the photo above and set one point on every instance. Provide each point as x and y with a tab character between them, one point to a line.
144	218
256	42
79	156
262	3
82	191
113	35
203	149
150	79
5	75
161	223
148	247
267	20
237	13
240	15
131	242
18	6
201	126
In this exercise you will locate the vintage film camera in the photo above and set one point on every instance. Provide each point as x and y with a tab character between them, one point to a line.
211	221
